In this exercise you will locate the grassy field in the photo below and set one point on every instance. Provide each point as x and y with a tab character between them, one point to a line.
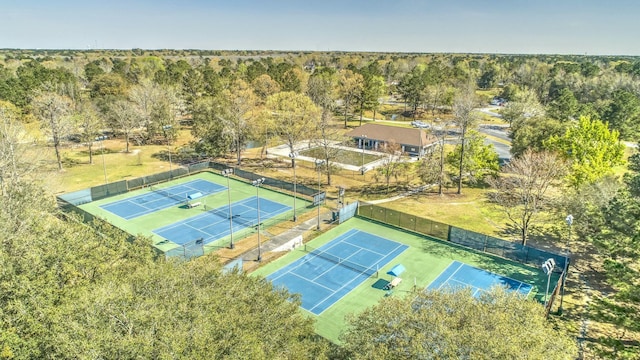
425	259
349	157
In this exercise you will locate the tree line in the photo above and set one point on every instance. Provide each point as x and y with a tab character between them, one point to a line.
567	116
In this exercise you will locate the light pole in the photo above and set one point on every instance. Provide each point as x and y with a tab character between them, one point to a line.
293	156
547	267
101	139
362	169
569	221
319	164
226	173
257	184
164	130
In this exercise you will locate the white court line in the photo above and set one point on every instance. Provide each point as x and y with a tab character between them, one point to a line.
442	272
352	280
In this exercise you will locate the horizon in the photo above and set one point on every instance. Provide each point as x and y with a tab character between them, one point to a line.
545	27
316	51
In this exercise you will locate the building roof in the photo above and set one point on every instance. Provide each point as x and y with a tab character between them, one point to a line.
399	135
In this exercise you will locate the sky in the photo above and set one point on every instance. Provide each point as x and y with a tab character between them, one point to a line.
592	27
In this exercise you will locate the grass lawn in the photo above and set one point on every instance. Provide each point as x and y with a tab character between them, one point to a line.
424	260
468	211
348	157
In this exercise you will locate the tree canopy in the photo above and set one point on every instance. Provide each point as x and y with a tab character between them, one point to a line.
591	147
71	291
455	325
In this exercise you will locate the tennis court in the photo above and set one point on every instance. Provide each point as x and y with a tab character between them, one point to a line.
159	199
459	275
330	272
214	224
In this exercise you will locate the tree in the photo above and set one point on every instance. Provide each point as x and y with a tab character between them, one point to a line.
264	86
521	189
295	117
350	84
208	129
237	106
89	124
412	88
391	164
193	86
164	114
54	111
455	325
616	238
463	105
158	313
15	161
124	118
524	105
320	90
592	149
432	166
489	78
374	88
479	161
145	67
71	291
623	113
143	96
108	85
531	133
93	69
564	106
428	169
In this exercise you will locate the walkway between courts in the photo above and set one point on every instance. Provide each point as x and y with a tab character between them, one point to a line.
281	239
305	226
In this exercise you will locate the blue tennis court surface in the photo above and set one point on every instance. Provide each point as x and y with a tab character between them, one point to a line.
214	224
330	272
459	275
157	200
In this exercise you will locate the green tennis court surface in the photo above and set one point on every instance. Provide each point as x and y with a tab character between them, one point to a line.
160	198
215	224
164	210
459	276
424	259
330	272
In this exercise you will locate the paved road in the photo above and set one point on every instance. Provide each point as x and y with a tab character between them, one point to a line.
490	111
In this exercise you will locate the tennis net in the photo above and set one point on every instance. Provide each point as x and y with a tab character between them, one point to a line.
236	218
370	271
168	194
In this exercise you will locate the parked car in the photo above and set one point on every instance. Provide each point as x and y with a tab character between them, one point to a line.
420	124
498	101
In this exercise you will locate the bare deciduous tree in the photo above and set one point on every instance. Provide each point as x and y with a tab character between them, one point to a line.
465	118
295	117
521	188
125	119
89	124
320	89
54	110
391	164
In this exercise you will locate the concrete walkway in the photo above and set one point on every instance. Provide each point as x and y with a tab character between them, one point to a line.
289	235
